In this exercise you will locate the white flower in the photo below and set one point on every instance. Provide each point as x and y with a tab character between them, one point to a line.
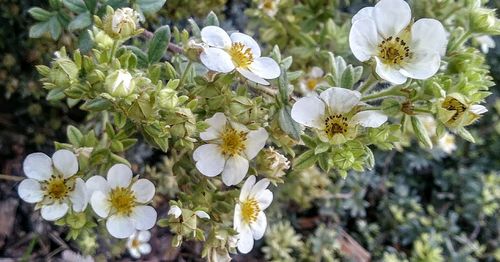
138	245
51	183
230	147
401	49
249	219
238	51
429	123
122	203
120	83
177	212
270	7
447	143
335	113
124	21
485	43
312	80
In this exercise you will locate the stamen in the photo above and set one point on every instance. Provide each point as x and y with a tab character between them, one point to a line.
336	124
394	51
122	200
241	55
56	188
249	210
233	141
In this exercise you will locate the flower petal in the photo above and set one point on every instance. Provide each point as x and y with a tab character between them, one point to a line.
478	109
391	16
235	170
252	77
202	214
265	67
248	41
259	226
265	198
246	188
389	73
260	186
145	248
363	39
79	196
364	13
30	191
175	211
428	34
97	183
237	216
245	241
134	252
308	111
119	175
370	118
38	166
55	211
422	65
256	140
144	236
216	125
65	162
340	100
209	160
144	190
120	226
144	217
100	204
217	60
215	36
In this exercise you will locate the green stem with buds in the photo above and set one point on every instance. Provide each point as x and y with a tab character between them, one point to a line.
392	91
463	38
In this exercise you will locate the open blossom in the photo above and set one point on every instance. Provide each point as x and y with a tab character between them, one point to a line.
177	212
138	245
122	202
239	51
336	114
249	219
52	184
311	81
447	143
269	7
401	49
229	149
485	43
454	111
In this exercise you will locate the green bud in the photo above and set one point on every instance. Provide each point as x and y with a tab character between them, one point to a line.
421	132
63	72
122	23
120	83
454	111
103	40
483	20
168	98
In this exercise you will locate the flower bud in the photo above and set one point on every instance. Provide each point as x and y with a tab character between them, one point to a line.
103	40
272	163
483	20
454	111
168	98
63	72
121	23
194	50
120	83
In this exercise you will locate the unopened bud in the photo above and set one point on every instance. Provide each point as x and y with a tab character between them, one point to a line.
121	23
120	83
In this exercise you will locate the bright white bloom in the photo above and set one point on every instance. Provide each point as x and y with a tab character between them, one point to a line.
336	114
122	202
138	245
249	219
51	183
238	51
312	80
230	147
401	49
485	43
177	212
447	143
269	7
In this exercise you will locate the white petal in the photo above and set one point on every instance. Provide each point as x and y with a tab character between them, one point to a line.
366	12
422	65
97	183
120	226
265	67
65	162
256	140
119	175
248	41
79	196
265	198
370	118
144	236
145	248
144	217
144	190
260	186
391	16
259	226
100	204
54	212
252	77
245	241
217	60
202	214
478	109
308	111
428	34
216	125
209	160
363	39
235	170
246	188
316	72
215	36
38	166
237	217
175	210
30	191
134	252
340	100
389	73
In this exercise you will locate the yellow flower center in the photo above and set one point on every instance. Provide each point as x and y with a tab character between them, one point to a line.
122	200
135	243
312	83
394	51
241	55
453	104
56	188
249	210
233	141
336	124
268	4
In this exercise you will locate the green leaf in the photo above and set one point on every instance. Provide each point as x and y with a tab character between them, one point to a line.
40	14
347	80
307	159
195	29
91	5
211	19
142	57
77	6
287	124
56	94
421	132
81	21
74	135
150	6
98	104
465	134
38	29
55	28
159	43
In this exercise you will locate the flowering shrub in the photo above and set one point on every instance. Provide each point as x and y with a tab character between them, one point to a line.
285	111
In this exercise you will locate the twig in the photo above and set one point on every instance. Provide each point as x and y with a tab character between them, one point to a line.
352	248
11	178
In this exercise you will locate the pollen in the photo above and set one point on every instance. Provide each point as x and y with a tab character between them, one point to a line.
453	104
241	55
394	51
249	210
56	188
233	141
122	200
336	124
135	243
311	84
